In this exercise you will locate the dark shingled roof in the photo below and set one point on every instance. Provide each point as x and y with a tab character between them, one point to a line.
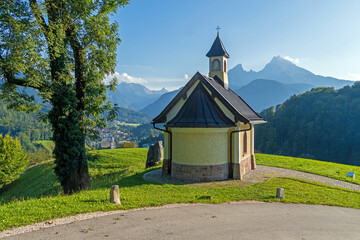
200	110
241	110
217	49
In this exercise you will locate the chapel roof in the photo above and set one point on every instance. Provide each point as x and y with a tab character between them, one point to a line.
200	110
236	105
217	49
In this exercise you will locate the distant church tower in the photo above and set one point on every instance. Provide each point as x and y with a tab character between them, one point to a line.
218	61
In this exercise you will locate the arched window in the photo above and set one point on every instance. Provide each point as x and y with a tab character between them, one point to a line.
224	65
215	65
245	143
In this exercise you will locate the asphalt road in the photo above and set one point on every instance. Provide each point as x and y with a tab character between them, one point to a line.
222	221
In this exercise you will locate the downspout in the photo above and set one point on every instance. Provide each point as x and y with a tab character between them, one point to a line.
170	146
231	148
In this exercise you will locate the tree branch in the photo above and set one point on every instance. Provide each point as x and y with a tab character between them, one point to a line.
80	81
10	76
39	17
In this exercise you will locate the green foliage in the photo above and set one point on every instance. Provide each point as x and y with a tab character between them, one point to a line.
152	139
24	126
39	156
43	153
139	131
125	167
321	124
13	160
131	116
128	144
63	49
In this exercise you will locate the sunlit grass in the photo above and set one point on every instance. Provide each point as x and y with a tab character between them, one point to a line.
39	198
328	169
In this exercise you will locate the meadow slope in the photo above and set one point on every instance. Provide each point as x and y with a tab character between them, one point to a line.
37	196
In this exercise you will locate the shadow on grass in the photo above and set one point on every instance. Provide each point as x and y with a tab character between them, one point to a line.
19	190
135	180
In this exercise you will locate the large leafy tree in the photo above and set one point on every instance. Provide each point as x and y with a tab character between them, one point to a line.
63	49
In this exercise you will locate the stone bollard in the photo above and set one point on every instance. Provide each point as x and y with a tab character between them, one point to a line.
114	194
280	193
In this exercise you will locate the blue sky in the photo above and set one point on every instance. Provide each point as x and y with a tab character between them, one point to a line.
164	41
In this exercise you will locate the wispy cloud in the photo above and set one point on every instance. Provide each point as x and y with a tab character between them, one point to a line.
123	77
186	77
354	76
293	60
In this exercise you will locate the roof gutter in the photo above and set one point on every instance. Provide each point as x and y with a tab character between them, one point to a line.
231	149
170	146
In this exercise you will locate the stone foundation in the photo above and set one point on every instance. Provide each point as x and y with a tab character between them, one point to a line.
199	172
242	168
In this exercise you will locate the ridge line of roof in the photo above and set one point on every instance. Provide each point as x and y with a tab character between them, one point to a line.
242	100
205	100
161	118
246	103
226	98
178	94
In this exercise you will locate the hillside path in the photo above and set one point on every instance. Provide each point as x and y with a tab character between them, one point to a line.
263	173
260	174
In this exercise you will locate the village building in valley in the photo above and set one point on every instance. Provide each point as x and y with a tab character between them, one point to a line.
209	128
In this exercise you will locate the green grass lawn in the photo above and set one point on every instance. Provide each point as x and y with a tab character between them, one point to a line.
37	196
328	169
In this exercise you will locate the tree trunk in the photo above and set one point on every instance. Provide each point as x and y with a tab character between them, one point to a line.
69	137
77	180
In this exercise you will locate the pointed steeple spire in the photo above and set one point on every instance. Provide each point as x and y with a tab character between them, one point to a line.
217	49
218	61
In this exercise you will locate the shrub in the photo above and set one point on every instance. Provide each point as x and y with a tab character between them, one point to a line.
40	156
13	160
128	144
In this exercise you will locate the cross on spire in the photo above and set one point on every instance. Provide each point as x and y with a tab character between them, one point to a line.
218	28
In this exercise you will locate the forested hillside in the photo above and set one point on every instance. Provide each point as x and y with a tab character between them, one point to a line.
131	116
26	127
323	124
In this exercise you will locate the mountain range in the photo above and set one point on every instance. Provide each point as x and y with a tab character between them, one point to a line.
156	107
284	71
262	93
134	96
276	82
259	94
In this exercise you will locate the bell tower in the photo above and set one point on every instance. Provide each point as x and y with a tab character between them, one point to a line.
218	61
